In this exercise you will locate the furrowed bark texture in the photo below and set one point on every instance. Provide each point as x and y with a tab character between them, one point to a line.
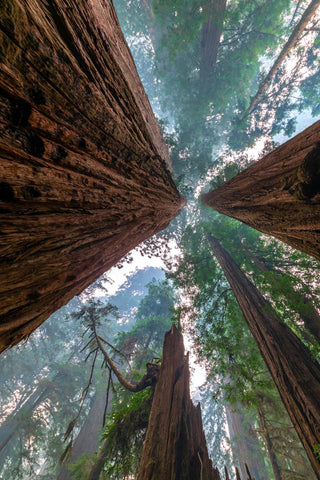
279	194
295	373
175	446
83	172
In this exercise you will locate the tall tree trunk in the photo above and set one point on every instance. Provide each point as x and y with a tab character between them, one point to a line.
245	445
83	173
175	446
279	194
269	443
88	438
211	31
304	306
292	41
295	373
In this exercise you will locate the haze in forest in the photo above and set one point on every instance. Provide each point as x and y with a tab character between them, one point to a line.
229	84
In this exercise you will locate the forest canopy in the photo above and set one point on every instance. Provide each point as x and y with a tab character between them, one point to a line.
230	82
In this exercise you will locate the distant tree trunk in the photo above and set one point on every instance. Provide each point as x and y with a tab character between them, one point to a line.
211	31
292	41
25	409
304	306
88	438
295	373
13	423
246	447
279	194
155	32
98	466
269	443
83	173
175	445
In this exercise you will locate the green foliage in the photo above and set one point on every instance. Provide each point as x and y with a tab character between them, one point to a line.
125	433
215	424
42	381
238	374
153	319
82	468
126	425
316	450
289	278
248	35
204	118
37	377
123	439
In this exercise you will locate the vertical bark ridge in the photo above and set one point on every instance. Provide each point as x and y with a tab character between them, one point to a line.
175	445
295	373
84	169
279	194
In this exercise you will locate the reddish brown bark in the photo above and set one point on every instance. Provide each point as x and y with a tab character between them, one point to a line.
83	173
279	194
295	373
175	445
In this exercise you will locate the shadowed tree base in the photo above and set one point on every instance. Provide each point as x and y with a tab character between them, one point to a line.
175	446
83	172
279	194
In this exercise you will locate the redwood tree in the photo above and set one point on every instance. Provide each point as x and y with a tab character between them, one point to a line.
310	11
295	373
83	172
302	304
88	437
175	445
279	194
211	31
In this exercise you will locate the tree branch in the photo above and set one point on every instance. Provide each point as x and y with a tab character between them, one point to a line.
146	381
